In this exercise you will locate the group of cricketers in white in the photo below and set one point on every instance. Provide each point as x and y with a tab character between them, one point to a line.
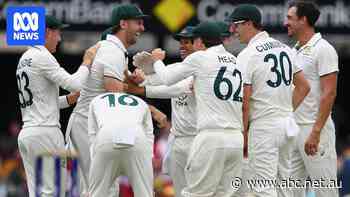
266	112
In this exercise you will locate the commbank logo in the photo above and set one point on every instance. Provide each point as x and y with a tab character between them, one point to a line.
25	25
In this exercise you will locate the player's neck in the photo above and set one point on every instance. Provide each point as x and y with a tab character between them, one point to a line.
305	36
49	48
122	38
252	34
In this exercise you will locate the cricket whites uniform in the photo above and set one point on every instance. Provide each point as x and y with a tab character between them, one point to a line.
318	58
269	69
110	61
183	131
121	130
39	77
216	153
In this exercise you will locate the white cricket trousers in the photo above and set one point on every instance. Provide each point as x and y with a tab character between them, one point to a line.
321	166
269	155
78	139
214	161
179	152
33	142
108	162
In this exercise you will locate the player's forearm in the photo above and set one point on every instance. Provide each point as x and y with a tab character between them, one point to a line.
136	90
68	100
164	92
152	80
299	94
245	116
114	85
173	74
158	116
245	107
75	82
63	102
326	104
302	88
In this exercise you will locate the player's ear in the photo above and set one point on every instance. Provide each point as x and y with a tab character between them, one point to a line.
123	24
303	20
47	32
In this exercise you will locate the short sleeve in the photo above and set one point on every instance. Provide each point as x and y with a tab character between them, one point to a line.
247	63
296	64
113	60
327	60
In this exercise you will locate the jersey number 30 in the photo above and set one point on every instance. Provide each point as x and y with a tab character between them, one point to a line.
25	95
221	79
280	75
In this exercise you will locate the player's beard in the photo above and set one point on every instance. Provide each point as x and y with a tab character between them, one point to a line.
132	37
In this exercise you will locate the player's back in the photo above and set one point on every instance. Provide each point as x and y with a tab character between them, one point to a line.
95	83
119	110
218	90
38	96
269	69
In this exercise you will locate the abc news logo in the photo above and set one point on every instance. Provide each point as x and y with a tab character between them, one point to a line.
29	29
25	25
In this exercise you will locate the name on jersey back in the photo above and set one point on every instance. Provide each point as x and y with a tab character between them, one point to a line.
269	45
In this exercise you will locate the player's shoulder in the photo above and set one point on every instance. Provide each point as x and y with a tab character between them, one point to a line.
323	46
197	54
246	52
195	57
40	56
109	46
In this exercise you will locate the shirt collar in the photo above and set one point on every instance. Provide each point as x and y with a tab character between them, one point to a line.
40	47
217	48
116	41
260	36
314	39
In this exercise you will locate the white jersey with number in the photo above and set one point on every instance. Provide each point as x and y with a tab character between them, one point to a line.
39	77
317	58
110	61
109	111
269	68
217	86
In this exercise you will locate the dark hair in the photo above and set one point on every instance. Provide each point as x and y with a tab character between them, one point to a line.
257	26
116	29
308	9
209	42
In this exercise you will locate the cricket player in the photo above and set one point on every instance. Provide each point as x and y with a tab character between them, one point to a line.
216	153
184	119
39	77
268	100
315	153
226	35
107	74
121	133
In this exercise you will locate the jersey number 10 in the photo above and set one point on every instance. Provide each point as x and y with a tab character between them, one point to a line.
122	100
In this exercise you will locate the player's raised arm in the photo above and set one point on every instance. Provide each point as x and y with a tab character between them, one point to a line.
173	91
172	74
52	70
